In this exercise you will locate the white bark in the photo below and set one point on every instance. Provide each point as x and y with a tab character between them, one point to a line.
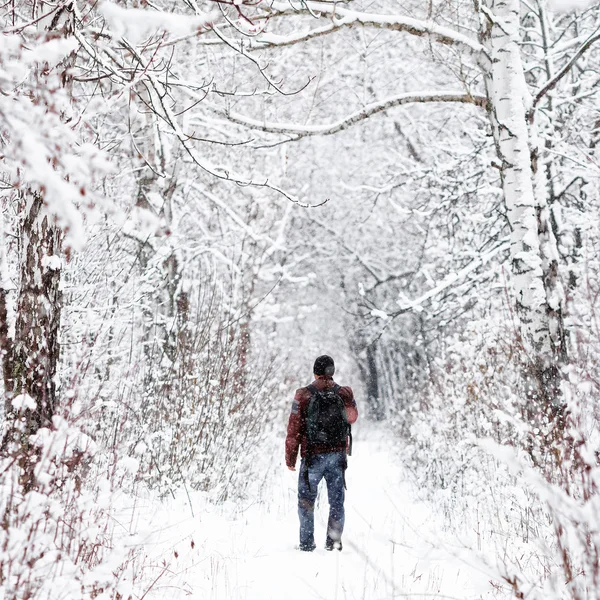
539	294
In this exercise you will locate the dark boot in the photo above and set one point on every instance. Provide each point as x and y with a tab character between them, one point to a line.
306	547
331	544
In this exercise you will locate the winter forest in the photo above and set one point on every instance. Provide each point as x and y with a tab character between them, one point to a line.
199	197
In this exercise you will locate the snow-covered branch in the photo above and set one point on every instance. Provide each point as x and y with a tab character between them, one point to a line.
449	281
137	24
166	113
299	131
342	17
594	37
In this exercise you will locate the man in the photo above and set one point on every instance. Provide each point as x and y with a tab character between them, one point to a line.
319	426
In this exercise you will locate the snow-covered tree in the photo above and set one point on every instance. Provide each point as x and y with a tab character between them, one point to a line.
482	55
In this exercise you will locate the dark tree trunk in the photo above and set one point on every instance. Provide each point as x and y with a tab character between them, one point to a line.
30	355
370	376
30	359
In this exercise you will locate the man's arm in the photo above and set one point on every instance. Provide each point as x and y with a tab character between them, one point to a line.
351	410
294	430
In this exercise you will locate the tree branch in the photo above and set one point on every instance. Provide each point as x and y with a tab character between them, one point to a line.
451	280
165	112
262	71
300	131
594	37
343	17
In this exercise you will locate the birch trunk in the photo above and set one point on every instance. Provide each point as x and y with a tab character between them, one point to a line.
534	256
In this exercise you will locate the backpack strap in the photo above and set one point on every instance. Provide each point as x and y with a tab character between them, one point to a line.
312	390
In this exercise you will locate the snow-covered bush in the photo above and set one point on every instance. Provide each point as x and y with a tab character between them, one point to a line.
562	561
517	481
58	534
167	373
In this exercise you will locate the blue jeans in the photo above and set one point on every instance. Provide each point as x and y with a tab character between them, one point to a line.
330	466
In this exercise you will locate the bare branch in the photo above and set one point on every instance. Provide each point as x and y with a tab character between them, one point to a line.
594	37
240	48
213	170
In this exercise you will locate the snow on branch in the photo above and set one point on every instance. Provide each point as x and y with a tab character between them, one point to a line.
138	23
42	150
215	171
449	281
343	17
299	131
551	84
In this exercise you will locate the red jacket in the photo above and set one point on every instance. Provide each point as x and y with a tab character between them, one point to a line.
296	432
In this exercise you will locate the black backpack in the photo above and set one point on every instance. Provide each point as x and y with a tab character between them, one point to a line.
326	419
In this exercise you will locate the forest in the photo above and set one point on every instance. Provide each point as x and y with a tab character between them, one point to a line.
199	197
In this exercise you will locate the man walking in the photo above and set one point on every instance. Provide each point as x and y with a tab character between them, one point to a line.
319	426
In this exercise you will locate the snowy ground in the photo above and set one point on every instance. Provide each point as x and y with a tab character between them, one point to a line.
388	545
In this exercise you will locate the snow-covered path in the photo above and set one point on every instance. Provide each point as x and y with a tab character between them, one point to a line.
387	546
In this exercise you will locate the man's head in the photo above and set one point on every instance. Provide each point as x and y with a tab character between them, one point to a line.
324	367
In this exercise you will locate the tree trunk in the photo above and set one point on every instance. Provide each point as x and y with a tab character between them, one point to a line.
30	359
369	374
534	256
30	354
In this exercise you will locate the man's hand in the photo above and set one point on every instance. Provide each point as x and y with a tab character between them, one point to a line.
291	468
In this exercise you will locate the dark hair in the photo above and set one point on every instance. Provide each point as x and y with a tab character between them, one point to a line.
324	366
